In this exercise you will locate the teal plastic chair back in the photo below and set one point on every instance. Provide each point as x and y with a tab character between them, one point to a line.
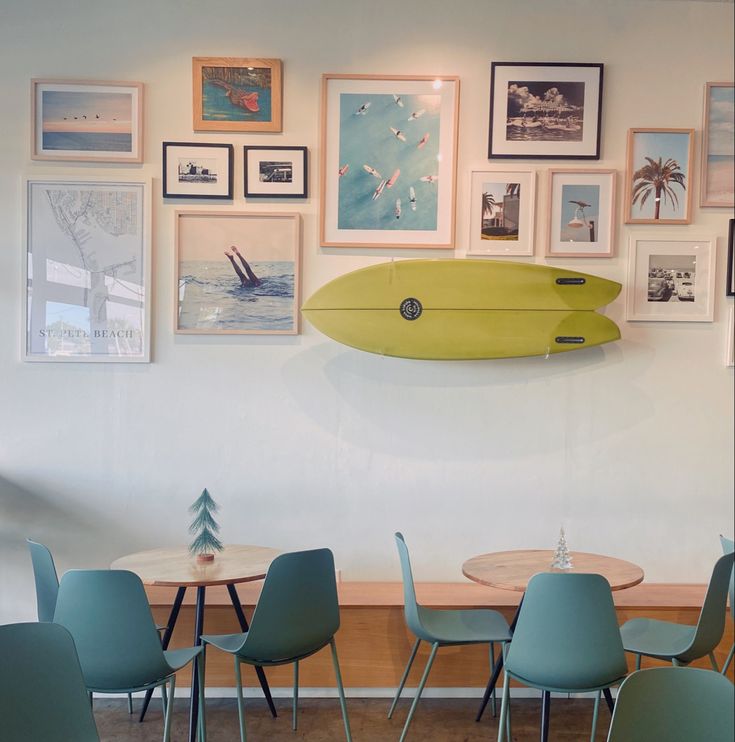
298	609
411	608
47	582
42	693
675	704
728	547
567	636
107	613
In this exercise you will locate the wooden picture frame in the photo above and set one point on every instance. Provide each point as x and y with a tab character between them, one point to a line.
718	148
86	120
654	154
237	273
730	288
198	170
237	94
581	213
388	161
275	172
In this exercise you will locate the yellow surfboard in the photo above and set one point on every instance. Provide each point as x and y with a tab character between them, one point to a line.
464	309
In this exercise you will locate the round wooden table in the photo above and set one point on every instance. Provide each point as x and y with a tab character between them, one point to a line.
178	568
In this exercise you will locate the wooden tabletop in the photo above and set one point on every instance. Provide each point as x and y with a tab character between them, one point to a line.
511	570
176	567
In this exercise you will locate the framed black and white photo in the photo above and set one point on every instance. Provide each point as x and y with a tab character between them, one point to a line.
194	170
731	259
545	110
275	172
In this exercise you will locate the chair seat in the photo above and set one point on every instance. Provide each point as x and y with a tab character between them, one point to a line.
464	626
653	638
226	642
177	658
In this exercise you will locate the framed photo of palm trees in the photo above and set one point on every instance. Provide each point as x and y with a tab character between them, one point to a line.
502	211
658	177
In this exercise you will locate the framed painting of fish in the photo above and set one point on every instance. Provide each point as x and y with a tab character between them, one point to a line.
388	161
237	94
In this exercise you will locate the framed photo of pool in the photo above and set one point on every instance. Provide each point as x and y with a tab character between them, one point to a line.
545	110
87	120
237	94
237	273
388	161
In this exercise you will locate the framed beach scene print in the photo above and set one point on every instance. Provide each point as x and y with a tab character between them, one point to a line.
671	279
389	147
502	211
87	121
237	273
237	94
545	110
194	170
718	146
87	270
658	177
275	172
581	213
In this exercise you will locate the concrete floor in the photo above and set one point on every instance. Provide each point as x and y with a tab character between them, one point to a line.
436	720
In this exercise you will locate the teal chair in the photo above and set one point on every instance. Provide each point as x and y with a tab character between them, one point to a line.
728	547
296	616
42	693
441	628
107	614
566	640
673	704
47	581
681	644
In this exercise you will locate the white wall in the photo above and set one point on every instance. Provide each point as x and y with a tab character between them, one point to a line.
305	442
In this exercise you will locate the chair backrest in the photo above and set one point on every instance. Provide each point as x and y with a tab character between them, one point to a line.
47	582
728	547
42	693
298	608
567	635
107	613
711	623
410	606
676	704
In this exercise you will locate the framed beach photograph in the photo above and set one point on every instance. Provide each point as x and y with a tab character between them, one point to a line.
275	172
581	222
671	279
237	273
87	120
731	259
658	187
388	163
545	110
501	215
193	170
718	145
237	94
87	270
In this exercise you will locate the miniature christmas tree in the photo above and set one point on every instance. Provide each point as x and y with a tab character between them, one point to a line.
205	527
562	557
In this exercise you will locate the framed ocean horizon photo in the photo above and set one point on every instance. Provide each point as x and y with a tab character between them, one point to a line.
87	120
718	146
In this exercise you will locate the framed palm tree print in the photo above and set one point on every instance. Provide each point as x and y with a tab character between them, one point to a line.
658	178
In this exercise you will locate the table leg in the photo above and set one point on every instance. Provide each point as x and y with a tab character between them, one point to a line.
244	626
165	640
198	631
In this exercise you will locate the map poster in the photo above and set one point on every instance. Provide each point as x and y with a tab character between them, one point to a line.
87	271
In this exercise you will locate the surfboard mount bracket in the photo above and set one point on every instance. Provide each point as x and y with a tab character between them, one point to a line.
569	340
571	281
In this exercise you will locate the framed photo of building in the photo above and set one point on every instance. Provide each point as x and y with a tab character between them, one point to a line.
658	188
388	164
581	213
193	170
87	270
237	273
237	94
275	172
86	120
671	279
718	146
545	110
501	216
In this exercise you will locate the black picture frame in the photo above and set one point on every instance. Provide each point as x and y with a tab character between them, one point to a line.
285	177
731	259
197	187
552	131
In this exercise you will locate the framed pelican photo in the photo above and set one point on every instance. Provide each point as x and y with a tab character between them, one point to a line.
388	162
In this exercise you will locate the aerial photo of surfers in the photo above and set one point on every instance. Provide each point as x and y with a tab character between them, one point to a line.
236	94
388	161
545	111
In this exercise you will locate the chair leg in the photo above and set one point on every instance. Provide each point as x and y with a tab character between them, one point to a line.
419	690
503	729
675	662
726	666
341	690
545	709
404	677
492	667
91	700
713	662
130	703
164	697
594	715
202	705
638	658
295	694
169	711
238	693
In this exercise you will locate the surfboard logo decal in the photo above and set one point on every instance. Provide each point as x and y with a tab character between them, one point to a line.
411	309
